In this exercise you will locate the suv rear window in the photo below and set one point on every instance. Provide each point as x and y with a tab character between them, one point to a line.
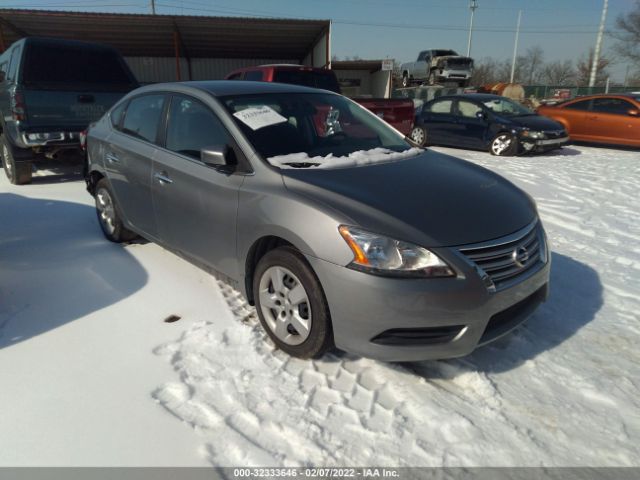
308	78
68	67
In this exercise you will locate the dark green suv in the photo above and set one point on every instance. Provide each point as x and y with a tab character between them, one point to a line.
50	91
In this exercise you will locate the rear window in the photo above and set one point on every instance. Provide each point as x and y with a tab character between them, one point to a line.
75	67
308	78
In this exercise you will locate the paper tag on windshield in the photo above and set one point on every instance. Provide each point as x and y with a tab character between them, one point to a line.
259	117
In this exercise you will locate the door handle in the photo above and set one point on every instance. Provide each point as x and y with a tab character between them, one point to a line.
162	178
112	158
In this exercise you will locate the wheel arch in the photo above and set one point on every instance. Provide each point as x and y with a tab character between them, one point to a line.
257	250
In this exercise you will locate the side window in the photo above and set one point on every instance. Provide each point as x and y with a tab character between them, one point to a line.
235	76
253	75
116	115
468	109
192	127
441	106
615	106
142	117
582	105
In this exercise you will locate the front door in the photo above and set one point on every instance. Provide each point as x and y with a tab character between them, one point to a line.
196	205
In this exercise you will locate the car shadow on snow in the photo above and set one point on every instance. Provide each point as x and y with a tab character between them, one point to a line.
56	267
574	300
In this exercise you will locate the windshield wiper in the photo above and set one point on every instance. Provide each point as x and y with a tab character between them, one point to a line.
301	164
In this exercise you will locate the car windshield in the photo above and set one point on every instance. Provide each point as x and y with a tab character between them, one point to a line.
311	130
308	78
444	53
504	106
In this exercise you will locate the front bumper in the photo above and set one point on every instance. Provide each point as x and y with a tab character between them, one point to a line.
393	319
544	144
453	74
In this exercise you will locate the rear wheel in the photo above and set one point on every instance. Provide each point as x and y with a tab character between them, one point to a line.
18	173
291	304
504	145
419	136
109	216
405	80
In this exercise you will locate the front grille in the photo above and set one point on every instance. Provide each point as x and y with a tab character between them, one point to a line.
503	261
552	134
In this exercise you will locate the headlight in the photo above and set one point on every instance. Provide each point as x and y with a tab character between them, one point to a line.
380	255
531	134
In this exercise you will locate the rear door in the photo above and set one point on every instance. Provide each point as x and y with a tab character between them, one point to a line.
196	205
128	159
472	131
67	85
440	122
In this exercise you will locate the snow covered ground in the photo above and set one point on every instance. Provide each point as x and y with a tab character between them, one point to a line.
91	375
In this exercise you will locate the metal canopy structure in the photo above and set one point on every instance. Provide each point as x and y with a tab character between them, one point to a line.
137	35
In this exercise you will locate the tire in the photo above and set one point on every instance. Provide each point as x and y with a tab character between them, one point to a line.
504	145
419	136
18	173
299	326
109	216
405	80
432	78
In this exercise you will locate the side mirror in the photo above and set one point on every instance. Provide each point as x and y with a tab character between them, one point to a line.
481	115
633	113
215	156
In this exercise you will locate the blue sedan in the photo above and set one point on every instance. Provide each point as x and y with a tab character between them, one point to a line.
486	122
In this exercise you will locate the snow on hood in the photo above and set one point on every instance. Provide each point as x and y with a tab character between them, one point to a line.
361	157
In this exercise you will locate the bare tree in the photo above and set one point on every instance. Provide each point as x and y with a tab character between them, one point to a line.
532	63
628	35
584	69
485	72
558	73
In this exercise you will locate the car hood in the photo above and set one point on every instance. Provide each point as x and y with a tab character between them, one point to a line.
534	122
432	199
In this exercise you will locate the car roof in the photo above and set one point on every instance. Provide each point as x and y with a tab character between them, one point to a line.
221	88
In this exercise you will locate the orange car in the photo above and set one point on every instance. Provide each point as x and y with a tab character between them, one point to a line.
609	119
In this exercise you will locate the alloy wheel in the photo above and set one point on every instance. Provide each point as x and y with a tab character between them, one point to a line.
285	305
418	135
106	210
501	144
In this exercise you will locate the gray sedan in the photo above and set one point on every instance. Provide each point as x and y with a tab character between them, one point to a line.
337	229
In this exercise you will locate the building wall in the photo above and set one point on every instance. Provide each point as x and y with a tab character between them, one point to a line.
163	69
319	55
381	84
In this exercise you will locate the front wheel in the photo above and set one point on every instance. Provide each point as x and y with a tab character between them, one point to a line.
291	304
109	216
432	78
419	136
405	80
504	145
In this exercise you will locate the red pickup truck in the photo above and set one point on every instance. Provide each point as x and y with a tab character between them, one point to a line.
397	112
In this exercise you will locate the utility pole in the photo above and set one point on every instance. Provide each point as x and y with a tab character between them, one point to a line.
515	47
153	7
596	54
473	4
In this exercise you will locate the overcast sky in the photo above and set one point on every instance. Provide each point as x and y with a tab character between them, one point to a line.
565	29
